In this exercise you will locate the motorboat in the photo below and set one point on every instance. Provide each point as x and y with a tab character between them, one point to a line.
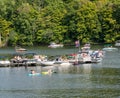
80	58
87	57
54	45
52	63
4	62
55	61
23	59
86	47
63	63
109	49
19	49
47	63
117	43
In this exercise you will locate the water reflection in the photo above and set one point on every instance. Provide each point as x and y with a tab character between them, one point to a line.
70	82
64	68
80	81
87	68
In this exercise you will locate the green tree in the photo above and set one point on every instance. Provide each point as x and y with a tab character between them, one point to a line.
108	24
34	22
5	29
116	16
25	24
82	21
51	28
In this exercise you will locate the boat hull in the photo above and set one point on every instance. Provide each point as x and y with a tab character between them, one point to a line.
109	49
47	63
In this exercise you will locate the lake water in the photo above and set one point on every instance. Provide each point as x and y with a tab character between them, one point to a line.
100	80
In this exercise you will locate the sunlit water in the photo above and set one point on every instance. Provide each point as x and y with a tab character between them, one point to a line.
81	81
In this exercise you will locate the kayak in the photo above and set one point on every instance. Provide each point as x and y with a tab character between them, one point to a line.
35	74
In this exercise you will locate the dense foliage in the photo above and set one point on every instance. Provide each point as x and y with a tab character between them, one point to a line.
35	22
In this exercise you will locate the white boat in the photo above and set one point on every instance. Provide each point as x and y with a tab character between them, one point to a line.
97	56
4	63
86	47
87	57
80	58
54	62
47	63
19	49
54	45
65	64
117	43
84	57
109	49
97	60
51	63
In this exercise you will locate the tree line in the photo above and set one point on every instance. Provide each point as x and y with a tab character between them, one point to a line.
37	22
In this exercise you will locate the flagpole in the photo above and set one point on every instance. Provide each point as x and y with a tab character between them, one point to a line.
79	46
77	43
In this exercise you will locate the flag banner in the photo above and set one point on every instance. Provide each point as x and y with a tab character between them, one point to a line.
77	43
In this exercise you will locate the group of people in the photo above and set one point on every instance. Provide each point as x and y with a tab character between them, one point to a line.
40	57
49	72
17	58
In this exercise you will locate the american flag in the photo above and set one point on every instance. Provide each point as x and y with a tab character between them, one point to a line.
77	43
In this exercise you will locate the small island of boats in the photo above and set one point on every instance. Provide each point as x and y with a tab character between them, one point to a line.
83	56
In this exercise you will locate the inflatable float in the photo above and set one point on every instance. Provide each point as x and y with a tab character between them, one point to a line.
35	74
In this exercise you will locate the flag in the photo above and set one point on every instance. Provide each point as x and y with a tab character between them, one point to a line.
77	43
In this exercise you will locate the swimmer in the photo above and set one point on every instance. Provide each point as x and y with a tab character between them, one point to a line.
32	72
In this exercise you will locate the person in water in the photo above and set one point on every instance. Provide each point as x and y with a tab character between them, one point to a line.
32	72
50	71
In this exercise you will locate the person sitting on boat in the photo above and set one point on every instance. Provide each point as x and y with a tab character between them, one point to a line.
19	58
37	57
100	53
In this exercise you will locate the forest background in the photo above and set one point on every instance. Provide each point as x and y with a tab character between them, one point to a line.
39	22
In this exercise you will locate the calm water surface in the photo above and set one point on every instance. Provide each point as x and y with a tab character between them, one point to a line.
82	81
